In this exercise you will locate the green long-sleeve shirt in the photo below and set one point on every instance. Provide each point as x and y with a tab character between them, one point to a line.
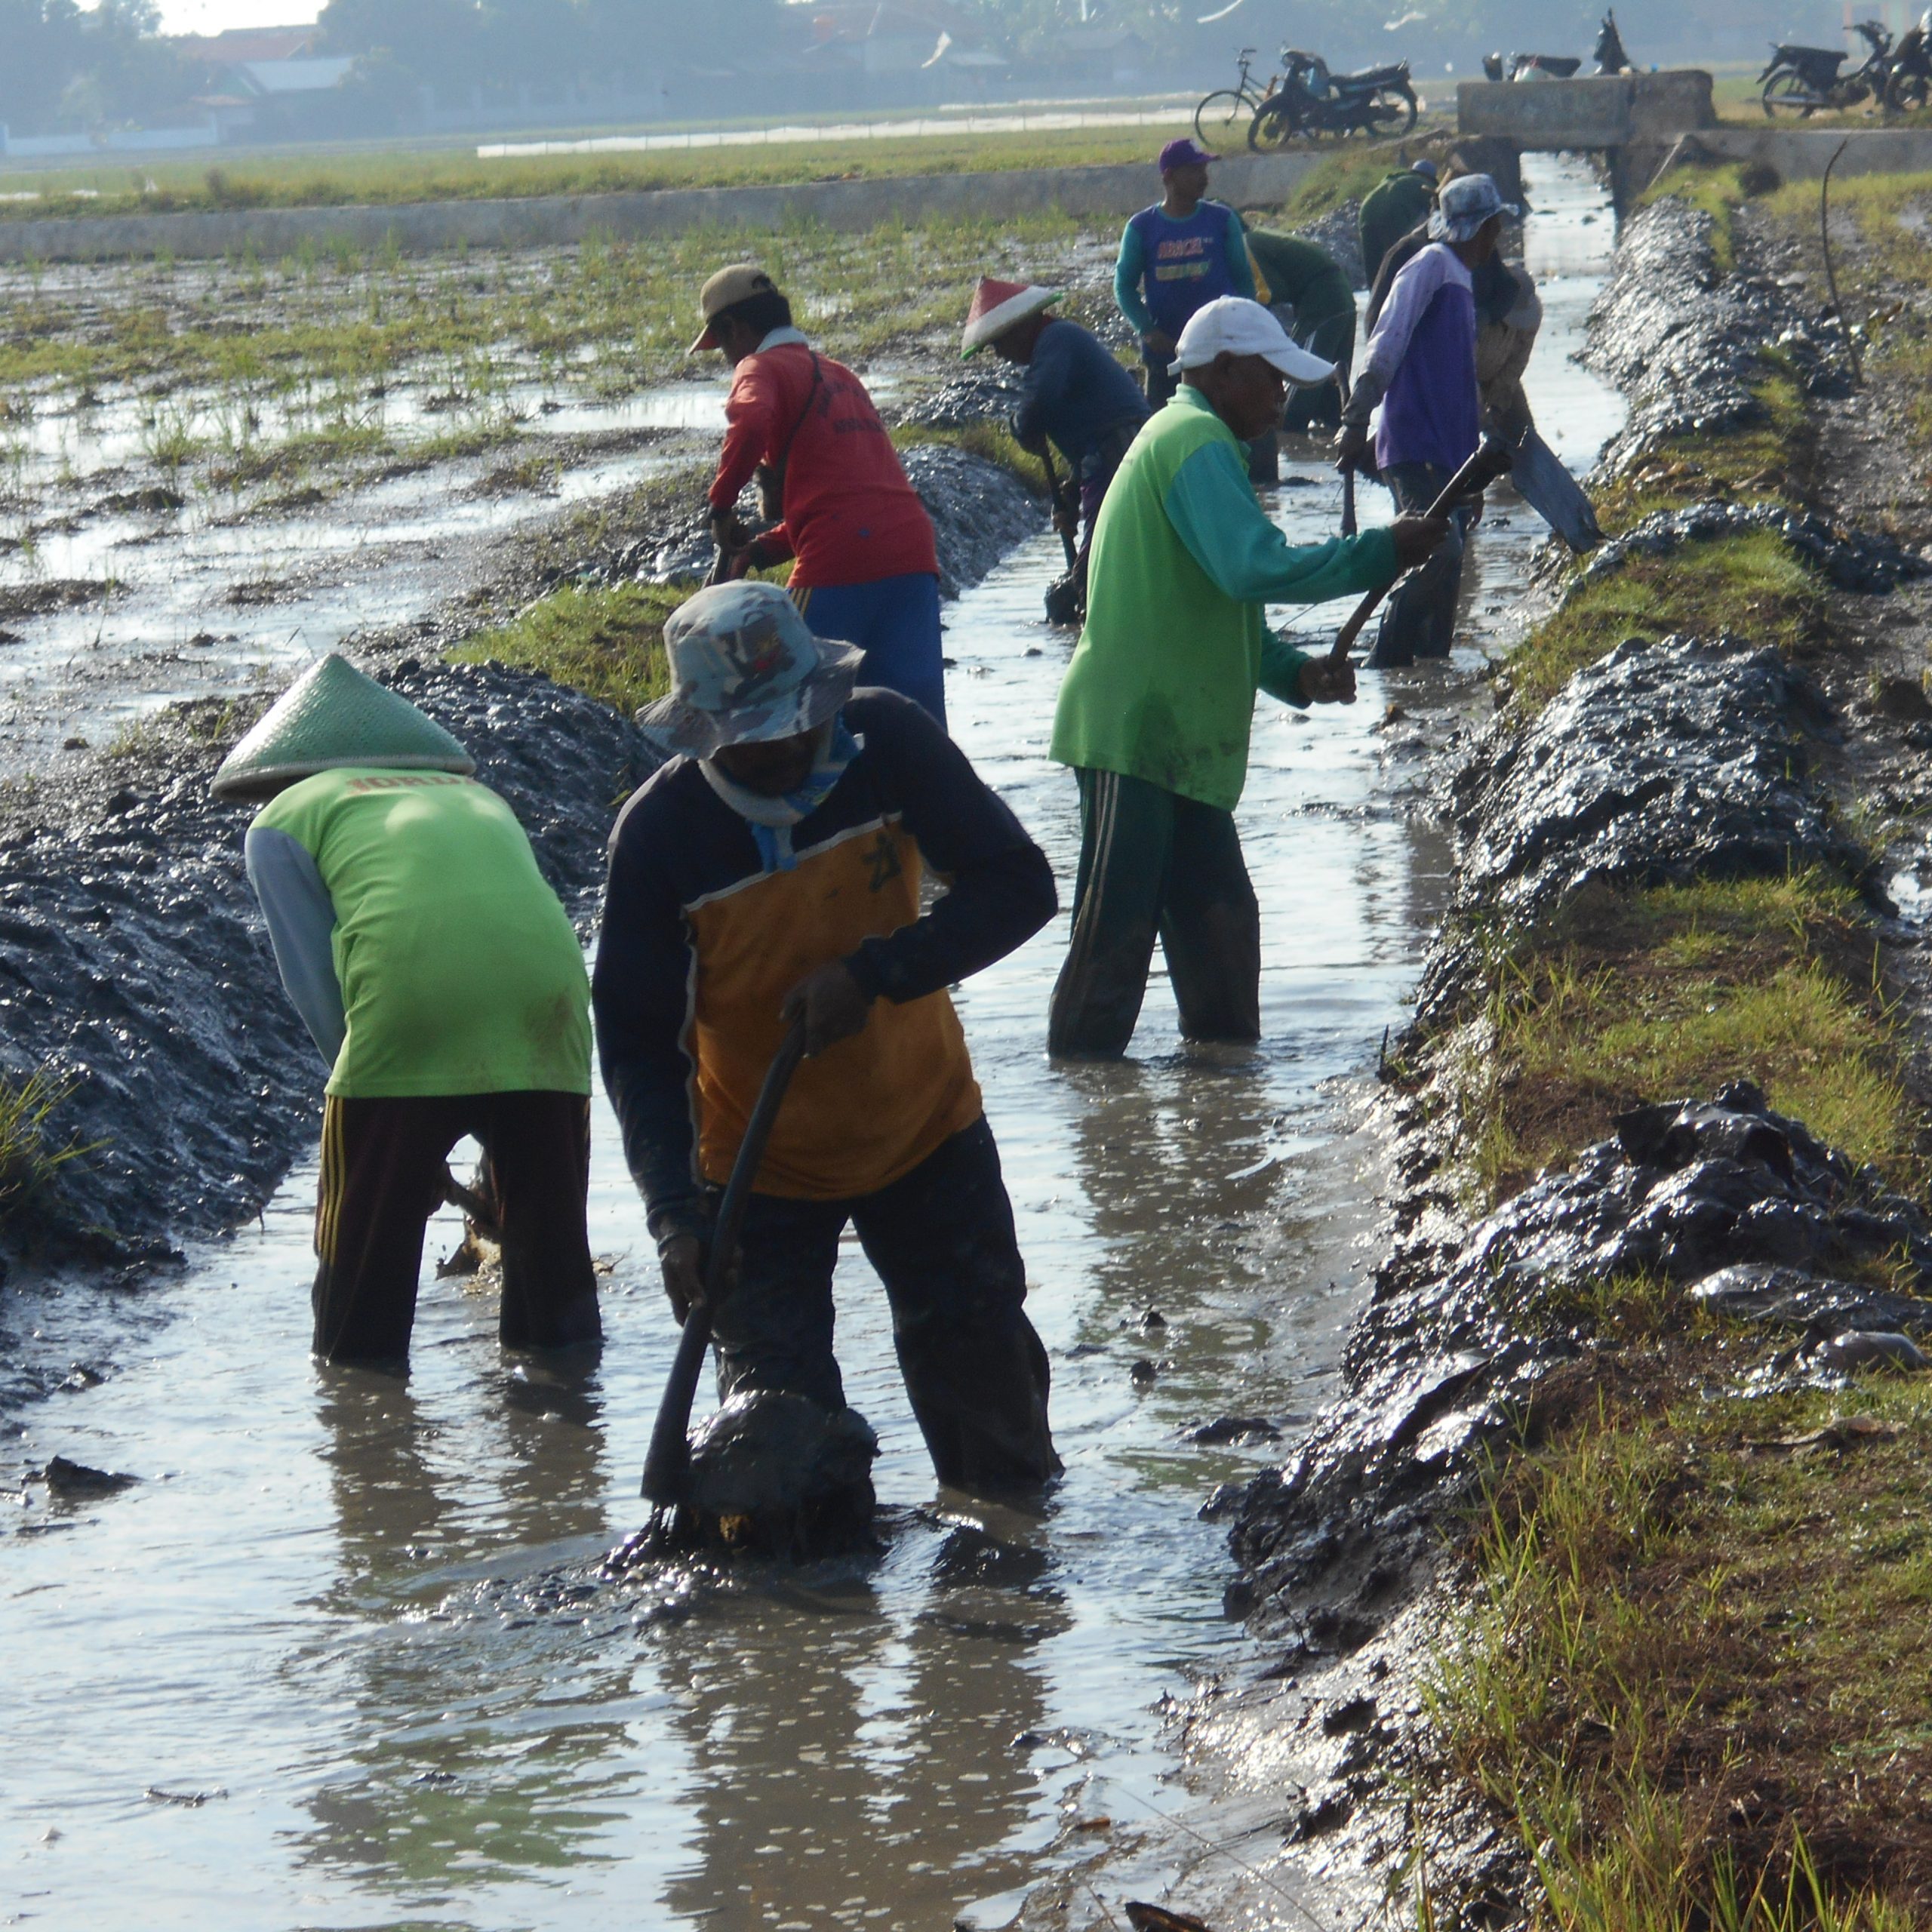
1161	685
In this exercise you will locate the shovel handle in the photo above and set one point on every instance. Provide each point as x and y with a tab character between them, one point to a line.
1053	496
1475	476
667	1462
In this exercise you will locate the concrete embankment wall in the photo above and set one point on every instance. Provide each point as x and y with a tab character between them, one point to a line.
538	221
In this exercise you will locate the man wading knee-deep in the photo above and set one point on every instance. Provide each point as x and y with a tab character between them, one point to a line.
1158	700
1420	364
440	977
866	571
773	870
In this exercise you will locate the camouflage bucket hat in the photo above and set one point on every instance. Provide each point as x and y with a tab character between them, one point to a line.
745	669
331	716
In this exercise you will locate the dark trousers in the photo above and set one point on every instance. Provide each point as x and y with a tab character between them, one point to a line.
382	1170
1419	620
941	1238
1154	865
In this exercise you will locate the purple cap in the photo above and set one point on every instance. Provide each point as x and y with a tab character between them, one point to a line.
1183	153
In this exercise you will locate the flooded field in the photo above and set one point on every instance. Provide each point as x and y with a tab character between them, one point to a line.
341	1659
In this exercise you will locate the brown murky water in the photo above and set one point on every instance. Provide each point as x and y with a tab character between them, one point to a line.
340	1660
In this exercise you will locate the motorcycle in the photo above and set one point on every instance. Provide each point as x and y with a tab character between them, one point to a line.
1379	102
1802	80
1535	66
1908	85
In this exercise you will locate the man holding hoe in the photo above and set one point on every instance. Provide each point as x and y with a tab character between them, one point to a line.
441	979
770	872
1420	364
1075	394
1158	700
867	570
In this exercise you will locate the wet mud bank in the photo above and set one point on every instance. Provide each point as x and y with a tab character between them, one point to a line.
135	975
1668	761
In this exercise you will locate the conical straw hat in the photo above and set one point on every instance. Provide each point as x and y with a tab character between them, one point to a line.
996	306
332	715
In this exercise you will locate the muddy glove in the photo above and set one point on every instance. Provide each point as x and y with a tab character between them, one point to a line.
832	1004
1352	448
683	1259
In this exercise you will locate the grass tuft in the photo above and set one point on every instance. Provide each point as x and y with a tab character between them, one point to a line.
28	1161
606	641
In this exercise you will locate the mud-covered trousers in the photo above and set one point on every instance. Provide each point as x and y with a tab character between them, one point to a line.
383	1176
1419	620
1155	864
942	1239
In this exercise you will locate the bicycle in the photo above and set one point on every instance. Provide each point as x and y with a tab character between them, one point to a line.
1216	120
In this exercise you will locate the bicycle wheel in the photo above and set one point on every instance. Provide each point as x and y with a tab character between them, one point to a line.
1785	93
1271	127
1219	116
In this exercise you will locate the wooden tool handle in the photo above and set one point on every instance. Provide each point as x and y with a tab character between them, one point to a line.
667	1462
1475	476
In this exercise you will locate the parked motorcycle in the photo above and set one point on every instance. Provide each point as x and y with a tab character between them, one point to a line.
1530	66
1908	84
1803	80
1379	102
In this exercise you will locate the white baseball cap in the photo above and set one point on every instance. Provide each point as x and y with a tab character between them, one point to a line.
1242	327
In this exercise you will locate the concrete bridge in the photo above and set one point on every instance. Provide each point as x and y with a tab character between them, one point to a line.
1638	120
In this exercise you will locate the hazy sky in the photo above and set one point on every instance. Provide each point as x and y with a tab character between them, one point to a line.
211	16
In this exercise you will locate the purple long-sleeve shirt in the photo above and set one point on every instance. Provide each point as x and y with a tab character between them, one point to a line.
1420	364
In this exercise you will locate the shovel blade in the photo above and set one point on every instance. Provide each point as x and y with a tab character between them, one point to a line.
1543	482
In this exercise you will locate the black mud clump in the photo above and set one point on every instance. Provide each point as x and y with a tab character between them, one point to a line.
986	390
1737	1205
1851	559
1685	338
135	974
979	511
1661	763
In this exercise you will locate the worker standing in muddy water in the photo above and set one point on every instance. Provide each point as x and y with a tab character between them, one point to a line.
440	978
1158	700
1420	365
1394	206
772	869
865	570
1075	394
1176	256
1307	281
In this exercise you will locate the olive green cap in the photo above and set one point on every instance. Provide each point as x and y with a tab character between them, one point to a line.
332	715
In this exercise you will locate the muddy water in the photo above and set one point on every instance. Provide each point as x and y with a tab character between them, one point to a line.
340	1660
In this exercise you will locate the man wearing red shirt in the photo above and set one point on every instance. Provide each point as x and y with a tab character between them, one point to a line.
866	572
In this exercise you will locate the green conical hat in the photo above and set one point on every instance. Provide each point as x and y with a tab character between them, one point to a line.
332	715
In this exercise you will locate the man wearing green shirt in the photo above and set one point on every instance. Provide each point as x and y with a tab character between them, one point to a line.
1157	703
1397	204
440	977
1307	281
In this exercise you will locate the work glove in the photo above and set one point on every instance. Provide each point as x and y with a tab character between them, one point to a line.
1352	446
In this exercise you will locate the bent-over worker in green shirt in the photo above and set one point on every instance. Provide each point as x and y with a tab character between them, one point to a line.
440	979
1159	699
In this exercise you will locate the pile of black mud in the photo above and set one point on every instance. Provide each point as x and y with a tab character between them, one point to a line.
1685	337
1727	1201
135	972
1661	763
986	390
1853	559
979	511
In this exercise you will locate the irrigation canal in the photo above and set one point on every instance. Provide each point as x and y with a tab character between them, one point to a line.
340	1660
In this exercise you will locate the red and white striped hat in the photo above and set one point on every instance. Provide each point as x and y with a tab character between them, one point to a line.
997	306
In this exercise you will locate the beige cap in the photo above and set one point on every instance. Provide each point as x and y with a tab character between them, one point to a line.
737	283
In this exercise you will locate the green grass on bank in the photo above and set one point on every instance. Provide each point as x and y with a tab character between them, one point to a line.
1349	172
1694	1674
396	178
1752	585
607	641
1638	998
